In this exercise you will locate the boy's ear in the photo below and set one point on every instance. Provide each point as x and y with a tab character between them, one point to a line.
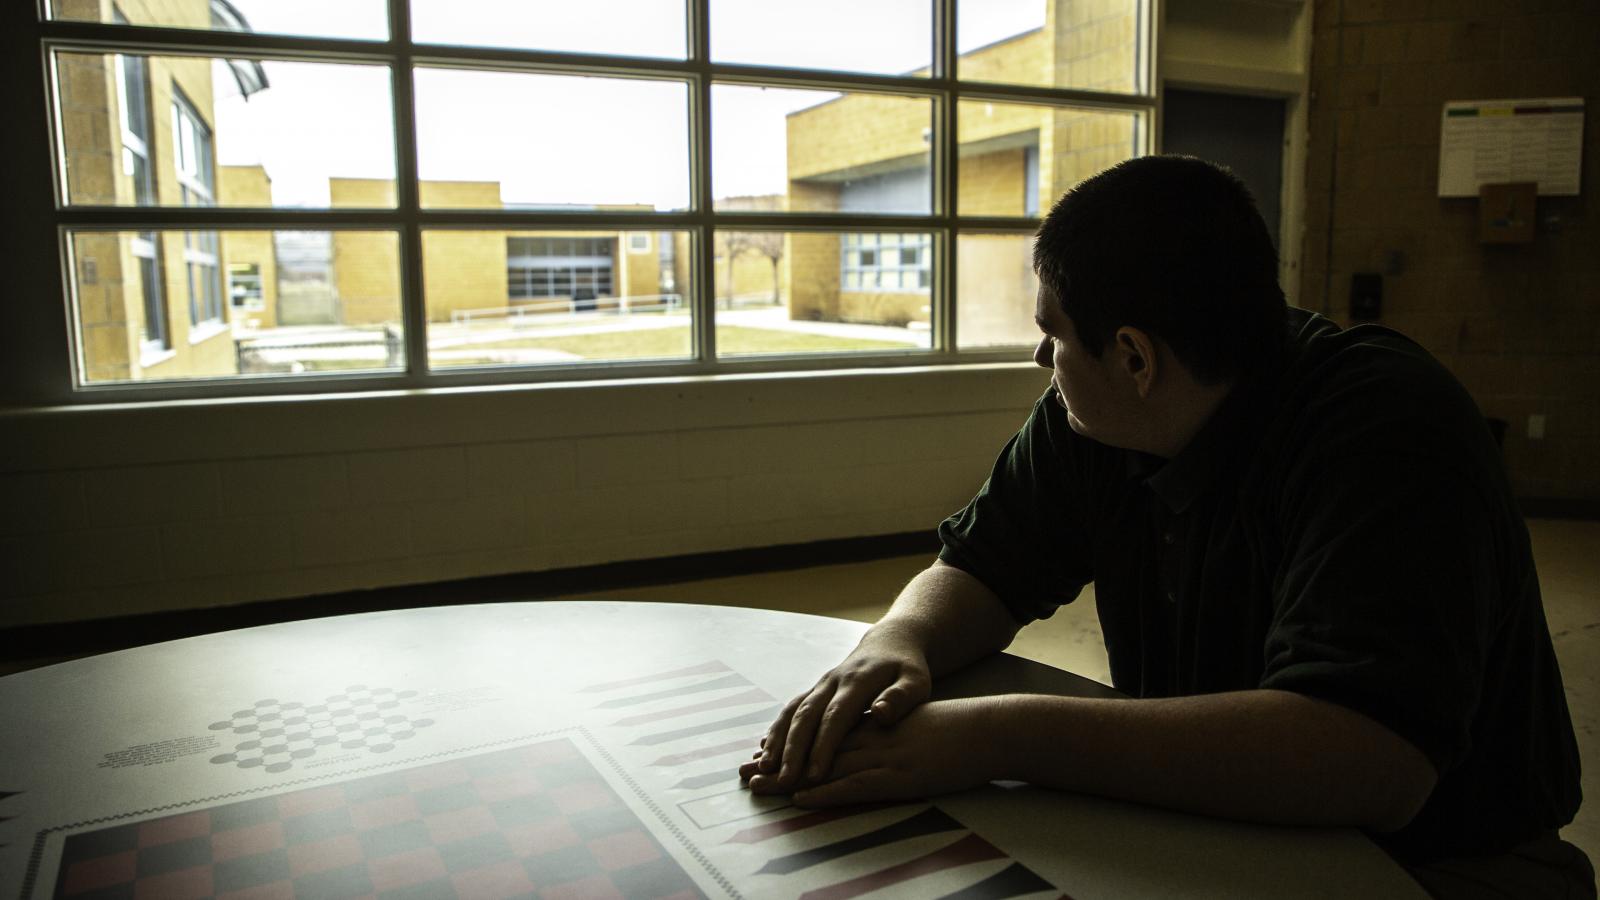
1136	358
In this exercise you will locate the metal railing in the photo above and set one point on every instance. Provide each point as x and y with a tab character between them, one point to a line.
641	303
254	355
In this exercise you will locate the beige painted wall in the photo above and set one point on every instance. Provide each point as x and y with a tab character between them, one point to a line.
209	504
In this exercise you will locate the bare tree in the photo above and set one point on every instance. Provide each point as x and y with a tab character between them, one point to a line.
734	245
770	245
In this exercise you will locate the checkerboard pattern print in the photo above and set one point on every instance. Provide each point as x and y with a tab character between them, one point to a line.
536	820
277	734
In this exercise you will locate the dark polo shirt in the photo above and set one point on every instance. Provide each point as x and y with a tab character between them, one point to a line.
1341	528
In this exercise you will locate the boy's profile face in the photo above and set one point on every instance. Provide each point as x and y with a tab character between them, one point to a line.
1082	381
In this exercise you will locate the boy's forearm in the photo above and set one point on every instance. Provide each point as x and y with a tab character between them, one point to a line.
951	616
1264	756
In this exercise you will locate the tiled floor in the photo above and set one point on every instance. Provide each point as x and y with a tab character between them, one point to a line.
1567	552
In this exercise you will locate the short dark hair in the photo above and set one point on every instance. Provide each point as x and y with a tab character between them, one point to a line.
1174	246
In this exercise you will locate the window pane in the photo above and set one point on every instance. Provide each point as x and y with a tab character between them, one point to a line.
531	298
793	292
624	27
1083	44
995	291
1017	158
303	134
354	19
887	37
149	305
579	142
774	148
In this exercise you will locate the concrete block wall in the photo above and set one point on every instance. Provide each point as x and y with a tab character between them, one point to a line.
1096	43
138	508
995	184
1518	324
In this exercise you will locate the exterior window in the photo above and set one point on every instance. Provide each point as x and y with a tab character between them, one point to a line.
578	270
889	263
133	114
683	217
244	285
156	337
205	283
191	142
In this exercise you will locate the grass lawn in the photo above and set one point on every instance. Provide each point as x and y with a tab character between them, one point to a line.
666	343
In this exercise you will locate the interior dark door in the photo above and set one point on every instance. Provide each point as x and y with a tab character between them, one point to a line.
1243	133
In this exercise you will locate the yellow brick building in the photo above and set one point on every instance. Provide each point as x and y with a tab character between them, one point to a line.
140	131
869	152
249	258
470	271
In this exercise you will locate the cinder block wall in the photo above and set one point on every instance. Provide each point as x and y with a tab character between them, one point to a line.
1520	324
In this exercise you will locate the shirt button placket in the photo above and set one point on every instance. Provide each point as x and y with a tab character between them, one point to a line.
1169	562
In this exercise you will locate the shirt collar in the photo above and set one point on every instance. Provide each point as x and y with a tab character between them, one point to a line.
1221	441
1228	436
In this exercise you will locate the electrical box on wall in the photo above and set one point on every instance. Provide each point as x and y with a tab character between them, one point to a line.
1506	212
1366	296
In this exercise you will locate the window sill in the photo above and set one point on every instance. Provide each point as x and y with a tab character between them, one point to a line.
327	422
148	358
205	331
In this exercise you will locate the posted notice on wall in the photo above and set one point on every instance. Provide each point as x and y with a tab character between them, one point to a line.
1495	141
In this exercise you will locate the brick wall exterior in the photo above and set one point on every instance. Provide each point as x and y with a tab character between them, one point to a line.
111	298
250	186
1084	43
461	270
1518	324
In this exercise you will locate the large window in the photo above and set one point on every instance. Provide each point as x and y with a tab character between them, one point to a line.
411	193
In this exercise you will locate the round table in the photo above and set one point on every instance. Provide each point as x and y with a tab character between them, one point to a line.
551	748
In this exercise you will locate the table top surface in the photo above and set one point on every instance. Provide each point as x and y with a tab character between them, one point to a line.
573	748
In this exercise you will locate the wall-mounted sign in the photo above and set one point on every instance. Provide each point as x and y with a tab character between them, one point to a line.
1498	141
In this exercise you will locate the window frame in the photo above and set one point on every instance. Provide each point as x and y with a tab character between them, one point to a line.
189	127
401	55
135	145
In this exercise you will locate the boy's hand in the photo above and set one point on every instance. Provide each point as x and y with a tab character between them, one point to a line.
887	674
939	748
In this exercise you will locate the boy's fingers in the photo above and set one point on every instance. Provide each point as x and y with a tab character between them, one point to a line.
872	784
898	699
772	744
842	715
802	733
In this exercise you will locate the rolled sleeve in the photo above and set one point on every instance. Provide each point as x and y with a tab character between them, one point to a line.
1023	534
1384	601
